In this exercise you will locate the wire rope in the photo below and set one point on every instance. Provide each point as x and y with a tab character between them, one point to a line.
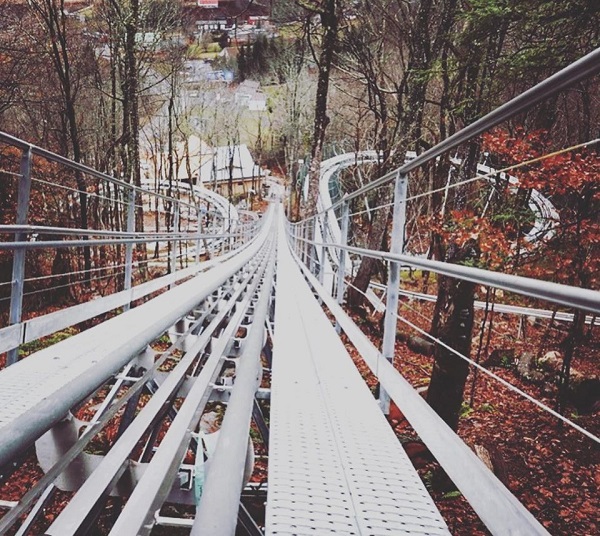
505	383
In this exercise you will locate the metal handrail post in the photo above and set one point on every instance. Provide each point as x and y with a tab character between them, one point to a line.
296	242
391	309
18	268
129	247
310	236
342	253
305	243
199	233
323	248
175	241
299	236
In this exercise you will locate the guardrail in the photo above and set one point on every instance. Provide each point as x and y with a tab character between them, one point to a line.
303	232
84	226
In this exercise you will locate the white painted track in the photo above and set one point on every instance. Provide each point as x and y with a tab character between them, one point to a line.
335	465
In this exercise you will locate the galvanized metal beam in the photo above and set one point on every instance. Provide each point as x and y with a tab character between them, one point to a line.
129	247
138	514
497	507
569	296
217	512
18	268
259	419
396	246
96	354
341	252
71	518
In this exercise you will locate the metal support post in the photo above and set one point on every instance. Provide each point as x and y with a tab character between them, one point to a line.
174	242
18	268
246	523
310	235
259	419
307	244
304	234
391	309
323	248
342	254
296	229
198	232
129	247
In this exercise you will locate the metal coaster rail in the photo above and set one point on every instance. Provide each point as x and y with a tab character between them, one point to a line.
331	464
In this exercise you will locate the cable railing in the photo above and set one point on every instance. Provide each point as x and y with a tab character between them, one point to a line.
72	226
316	252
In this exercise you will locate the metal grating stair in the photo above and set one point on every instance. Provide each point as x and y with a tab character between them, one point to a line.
335	465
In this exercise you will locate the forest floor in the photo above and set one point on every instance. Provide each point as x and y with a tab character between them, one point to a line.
553	469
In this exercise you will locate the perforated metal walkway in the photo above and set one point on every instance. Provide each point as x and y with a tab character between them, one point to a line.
37	392
335	465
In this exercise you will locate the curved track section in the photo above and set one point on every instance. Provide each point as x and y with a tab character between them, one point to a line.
335	465
546	221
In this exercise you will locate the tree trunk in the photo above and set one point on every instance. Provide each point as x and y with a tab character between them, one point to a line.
54	19
453	325
329	22
376	239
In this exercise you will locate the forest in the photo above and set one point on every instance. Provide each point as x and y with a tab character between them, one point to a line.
107	84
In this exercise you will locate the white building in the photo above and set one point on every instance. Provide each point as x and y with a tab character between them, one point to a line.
231	165
250	95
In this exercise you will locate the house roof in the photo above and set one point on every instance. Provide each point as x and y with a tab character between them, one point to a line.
231	9
229	161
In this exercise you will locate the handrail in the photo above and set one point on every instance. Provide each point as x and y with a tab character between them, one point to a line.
114	342
569	296
498	508
53	157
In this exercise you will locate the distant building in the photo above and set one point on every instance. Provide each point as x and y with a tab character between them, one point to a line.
225	15
250	95
231	165
188	158
148	39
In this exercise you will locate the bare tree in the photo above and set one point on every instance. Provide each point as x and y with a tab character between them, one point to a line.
329	13
54	23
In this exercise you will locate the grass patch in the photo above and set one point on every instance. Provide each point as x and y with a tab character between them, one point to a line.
45	342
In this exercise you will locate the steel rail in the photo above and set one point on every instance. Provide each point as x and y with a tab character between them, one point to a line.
585	67
495	307
105	413
579	298
137	517
100	242
112	466
107	347
335	464
498	508
217	512
53	157
70	231
34	328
